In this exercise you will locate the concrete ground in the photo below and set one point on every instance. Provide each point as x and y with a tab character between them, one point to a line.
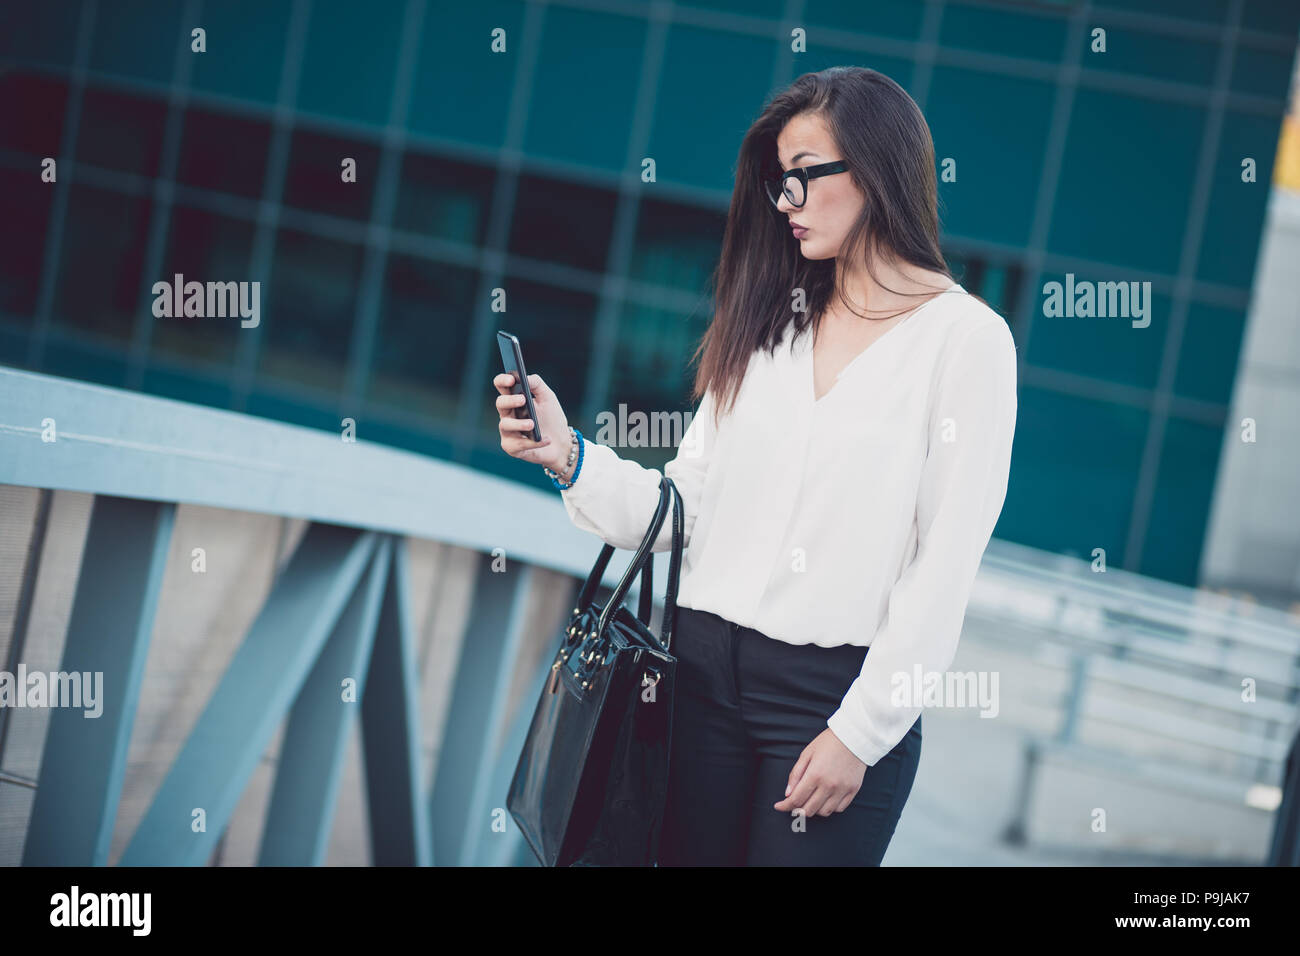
965	794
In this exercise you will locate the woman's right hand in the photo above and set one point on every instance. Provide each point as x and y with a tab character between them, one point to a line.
516	433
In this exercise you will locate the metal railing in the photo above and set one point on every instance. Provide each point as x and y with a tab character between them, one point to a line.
1171	686
341	604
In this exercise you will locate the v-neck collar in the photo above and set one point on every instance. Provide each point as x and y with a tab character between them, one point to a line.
807	375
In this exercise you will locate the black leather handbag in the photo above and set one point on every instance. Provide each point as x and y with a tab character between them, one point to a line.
590	784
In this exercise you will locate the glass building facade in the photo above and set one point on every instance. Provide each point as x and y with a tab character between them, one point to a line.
499	149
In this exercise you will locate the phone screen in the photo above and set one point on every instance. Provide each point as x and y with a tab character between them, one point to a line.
512	360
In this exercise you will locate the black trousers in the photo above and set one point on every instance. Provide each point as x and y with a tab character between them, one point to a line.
744	707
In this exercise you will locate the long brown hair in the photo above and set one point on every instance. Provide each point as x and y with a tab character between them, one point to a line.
885	142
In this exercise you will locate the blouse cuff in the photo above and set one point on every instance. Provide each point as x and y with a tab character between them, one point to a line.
595	463
857	736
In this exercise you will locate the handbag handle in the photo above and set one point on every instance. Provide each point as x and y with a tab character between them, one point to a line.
593	582
641	561
674	568
644	604
588	590
667	491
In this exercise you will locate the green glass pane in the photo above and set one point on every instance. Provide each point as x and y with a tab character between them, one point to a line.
1234	218
1180	509
350	60
138	39
900	19
577	46
246	49
1073	471
1205	11
1207	361
1134	52
1128	169
996	155
456	43
1005	32
711	88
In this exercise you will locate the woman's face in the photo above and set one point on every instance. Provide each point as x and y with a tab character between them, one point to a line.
832	203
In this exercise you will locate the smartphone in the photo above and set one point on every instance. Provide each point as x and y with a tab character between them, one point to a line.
512	359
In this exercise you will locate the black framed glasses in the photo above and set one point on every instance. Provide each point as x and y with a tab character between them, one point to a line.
794	182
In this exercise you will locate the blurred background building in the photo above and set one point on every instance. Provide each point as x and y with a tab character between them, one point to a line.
520	170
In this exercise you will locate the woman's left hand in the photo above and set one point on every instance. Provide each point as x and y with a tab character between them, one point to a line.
825	778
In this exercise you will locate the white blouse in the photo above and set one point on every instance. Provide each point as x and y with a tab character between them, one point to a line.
858	518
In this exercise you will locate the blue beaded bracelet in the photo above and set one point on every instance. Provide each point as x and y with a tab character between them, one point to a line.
577	468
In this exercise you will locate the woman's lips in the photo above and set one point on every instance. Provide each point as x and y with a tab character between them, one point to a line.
799	231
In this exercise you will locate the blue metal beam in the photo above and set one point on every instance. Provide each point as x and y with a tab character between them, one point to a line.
307	776
400	834
464	798
82	769
117	442
254	695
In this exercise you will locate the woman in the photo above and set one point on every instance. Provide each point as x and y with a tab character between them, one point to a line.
840	481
